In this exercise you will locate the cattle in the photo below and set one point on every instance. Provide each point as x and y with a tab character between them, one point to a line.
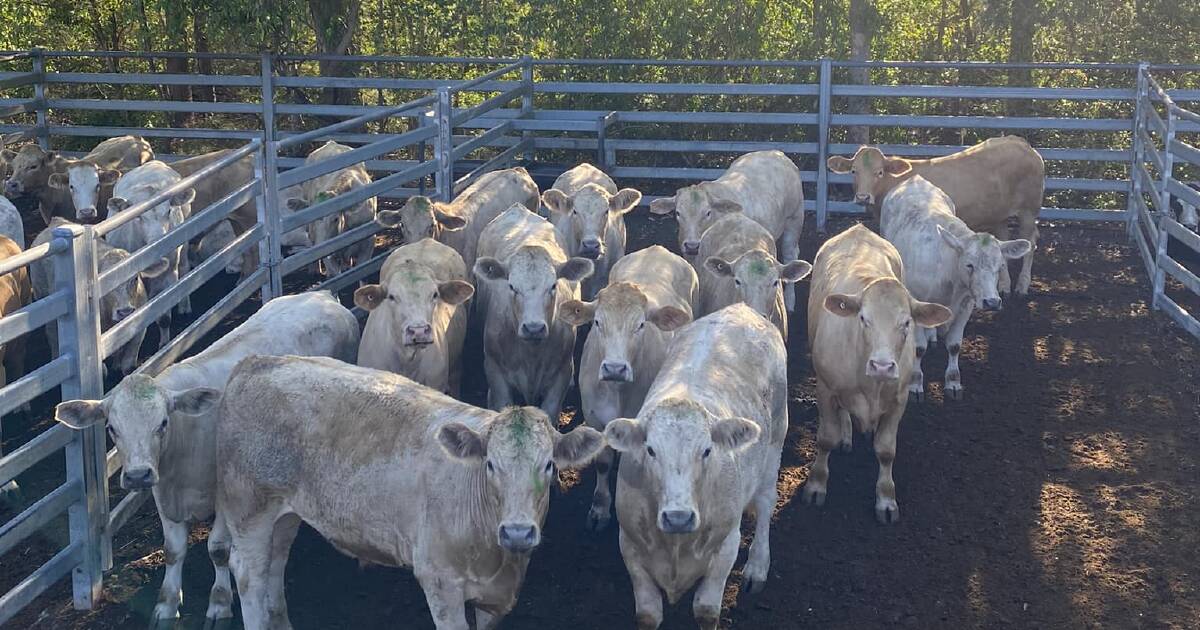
460	222
945	262
764	184
115	306
211	190
704	449
165	427
861	325
14	295
740	266
139	185
652	293
418	316
298	238
43	175
212	242
325	187
989	183
589	213
1185	212
11	224
413	478
524	276
89	181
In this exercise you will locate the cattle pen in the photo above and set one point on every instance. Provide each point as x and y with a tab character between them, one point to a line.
1119	149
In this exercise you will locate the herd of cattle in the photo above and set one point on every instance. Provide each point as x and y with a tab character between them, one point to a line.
298	416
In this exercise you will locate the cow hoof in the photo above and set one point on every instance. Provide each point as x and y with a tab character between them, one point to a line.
223	623
813	496
163	623
954	392
753	585
11	497
846	446
887	511
597	520
916	396
647	622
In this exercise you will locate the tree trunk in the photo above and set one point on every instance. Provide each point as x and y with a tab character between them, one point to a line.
862	29
175	15
1022	28
335	23
204	93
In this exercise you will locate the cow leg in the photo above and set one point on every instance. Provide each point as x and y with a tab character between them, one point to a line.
552	402
170	595
46	212
14	365
485	620
789	250
250	560
887	510
758	561
601	511
647	599
1026	229
706	605
1003	280
220	598
164	330
846	429
284	533
916	383
829	436
185	305
953	386
446	599
499	391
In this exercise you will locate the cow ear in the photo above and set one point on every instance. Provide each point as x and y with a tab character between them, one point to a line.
8	155
577	448
625	435
896	166
843	305
117	204
455	291
928	314
719	267
81	414
488	268
950	239
157	269
576	269
734	434
669	318
725	206
49	156
624	201
183	198
461	442
369	297
1016	248
386	218
449	222
838	164
795	271
557	201
577	312
58	181
195	401
109	176
296	204
663	205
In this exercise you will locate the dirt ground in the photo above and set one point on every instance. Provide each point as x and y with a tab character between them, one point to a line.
1061	493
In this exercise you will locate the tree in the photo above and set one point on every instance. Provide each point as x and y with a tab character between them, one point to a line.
1022	28
862	30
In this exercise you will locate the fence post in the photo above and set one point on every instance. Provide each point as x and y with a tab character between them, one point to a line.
39	97
1165	214
444	146
268	201
602	151
1168	161
87	454
527	104
1138	157
419	123
824	100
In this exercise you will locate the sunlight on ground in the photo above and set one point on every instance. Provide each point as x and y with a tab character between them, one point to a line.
1103	451
1067	539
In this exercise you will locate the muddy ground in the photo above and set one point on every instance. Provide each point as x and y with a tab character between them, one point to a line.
1061	493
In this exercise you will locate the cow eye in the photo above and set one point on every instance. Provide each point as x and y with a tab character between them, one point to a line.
429	231
904	326
737	282
112	432
641	325
650	451
433	298
163	426
707	452
863	319
514	289
970	268
550	291
549	467
597	323
491	469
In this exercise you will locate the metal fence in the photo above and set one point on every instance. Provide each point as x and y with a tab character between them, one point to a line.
437	133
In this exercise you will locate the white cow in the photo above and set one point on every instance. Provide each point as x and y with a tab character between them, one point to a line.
704	449
418	315
945	262
11	224
861	324
165	427
460	222
589	213
524	276
138	185
740	266
622	354
90	180
1187	213
326	187
412	478
764	184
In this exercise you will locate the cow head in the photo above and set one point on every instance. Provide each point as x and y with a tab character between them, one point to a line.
409	299
532	278
695	210
874	173
152	224
30	168
139	412
421	218
120	303
676	445
519	454
619	317
886	315
979	259
84	180
589	212
758	277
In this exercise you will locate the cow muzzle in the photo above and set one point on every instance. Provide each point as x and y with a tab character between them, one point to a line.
677	521
139	478
121	313
591	248
86	213
519	537
991	304
691	248
864	199
13	188
882	369
533	331
418	335
616	371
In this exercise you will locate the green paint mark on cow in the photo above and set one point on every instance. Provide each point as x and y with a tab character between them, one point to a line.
758	267
985	239
324	195
143	388
420	203
539	484
520	430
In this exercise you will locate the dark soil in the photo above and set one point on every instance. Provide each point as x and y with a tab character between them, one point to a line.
1061	493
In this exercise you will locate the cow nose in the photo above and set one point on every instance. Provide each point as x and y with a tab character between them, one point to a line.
519	537
677	521
992	304
881	368
419	333
138	478
12	188
616	371
691	248
862	198
533	330
123	312
87	213
590	247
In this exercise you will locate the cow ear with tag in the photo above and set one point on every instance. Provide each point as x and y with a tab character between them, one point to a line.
577	312
719	267
488	268
369	297
843	305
